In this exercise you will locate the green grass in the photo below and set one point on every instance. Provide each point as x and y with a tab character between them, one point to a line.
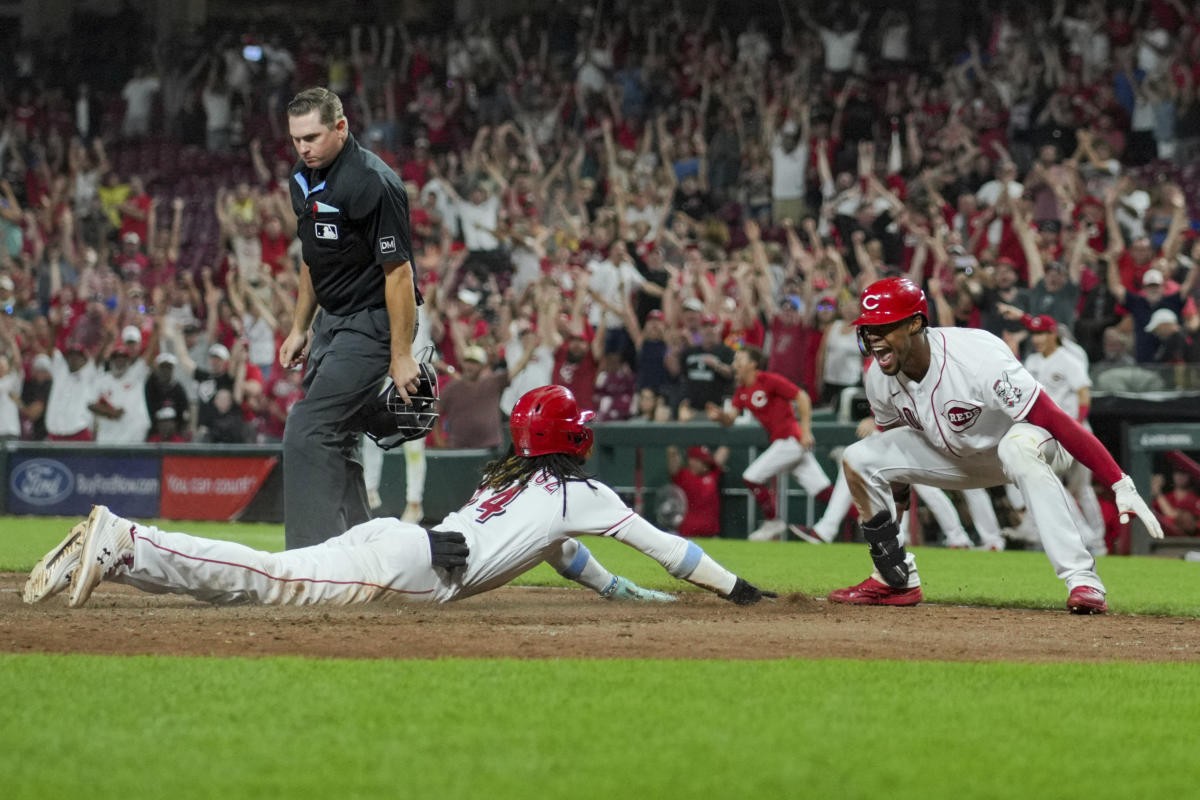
183	728
1011	579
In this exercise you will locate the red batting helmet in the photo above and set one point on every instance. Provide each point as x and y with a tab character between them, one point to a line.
548	420
891	300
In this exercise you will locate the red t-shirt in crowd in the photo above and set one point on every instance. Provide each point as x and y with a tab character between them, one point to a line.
769	399
579	377
139	226
791	355
274	251
703	493
738	338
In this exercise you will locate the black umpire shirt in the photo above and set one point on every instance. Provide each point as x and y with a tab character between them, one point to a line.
351	217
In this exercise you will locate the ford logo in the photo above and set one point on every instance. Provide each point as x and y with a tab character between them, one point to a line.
42	482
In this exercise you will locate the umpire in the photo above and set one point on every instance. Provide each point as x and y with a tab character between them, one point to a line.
352	215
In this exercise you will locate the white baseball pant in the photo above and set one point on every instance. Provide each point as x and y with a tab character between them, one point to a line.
983	514
788	455
414	463
376	558
943	512
1028	456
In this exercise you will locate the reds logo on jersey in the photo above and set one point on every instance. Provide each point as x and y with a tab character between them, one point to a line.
961	415
758	398
1009	395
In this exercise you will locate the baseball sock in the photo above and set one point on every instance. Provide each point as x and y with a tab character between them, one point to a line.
764	497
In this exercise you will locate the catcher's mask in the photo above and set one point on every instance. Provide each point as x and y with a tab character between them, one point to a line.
390	422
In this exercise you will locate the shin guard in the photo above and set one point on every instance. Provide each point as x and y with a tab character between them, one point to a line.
883	534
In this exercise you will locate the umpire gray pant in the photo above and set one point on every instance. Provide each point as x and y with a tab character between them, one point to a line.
323	490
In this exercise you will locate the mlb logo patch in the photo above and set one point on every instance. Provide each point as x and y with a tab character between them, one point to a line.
387	244
326	230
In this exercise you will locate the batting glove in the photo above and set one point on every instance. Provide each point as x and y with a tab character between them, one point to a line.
622	588
448	549
1130	503
746	594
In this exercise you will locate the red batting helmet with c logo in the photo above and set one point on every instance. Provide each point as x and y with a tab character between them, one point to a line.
891	300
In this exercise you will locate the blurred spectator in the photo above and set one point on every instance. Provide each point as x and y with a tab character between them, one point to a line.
163	391
138	92
699	477
1174	345
470	404
118	398
11	382
74	377
35	395
1179	508
1143	305
577	362
530	354
167	428
705	370
839	360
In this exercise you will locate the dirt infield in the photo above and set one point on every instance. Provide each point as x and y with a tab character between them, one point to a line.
574	623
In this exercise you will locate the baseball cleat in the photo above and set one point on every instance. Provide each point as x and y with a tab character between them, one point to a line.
806	534
1086	600
624	589
53	573
773	530
876	593
107	543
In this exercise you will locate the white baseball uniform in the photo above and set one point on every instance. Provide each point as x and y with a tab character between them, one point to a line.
1063	374
509	532
963	428
978	501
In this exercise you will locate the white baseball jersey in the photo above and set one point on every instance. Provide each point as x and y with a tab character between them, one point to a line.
510	531
66	409
1062	375
973	392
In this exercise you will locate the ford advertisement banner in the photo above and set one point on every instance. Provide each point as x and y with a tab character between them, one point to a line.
71	485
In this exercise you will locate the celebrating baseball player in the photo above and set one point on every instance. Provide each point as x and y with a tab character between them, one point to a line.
530	507
958	411
770	398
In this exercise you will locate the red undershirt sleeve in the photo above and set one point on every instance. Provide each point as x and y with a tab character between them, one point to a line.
1075	438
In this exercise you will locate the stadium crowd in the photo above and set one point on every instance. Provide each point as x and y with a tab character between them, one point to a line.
614	202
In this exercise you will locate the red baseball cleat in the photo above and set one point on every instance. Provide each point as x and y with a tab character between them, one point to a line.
874	593
1086	600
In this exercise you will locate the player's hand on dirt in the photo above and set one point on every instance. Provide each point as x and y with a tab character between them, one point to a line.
747	594
448	549
624	589
1130	503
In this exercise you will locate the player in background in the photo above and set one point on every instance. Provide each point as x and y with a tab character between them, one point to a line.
531	506
770	398
958	411
1062	370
